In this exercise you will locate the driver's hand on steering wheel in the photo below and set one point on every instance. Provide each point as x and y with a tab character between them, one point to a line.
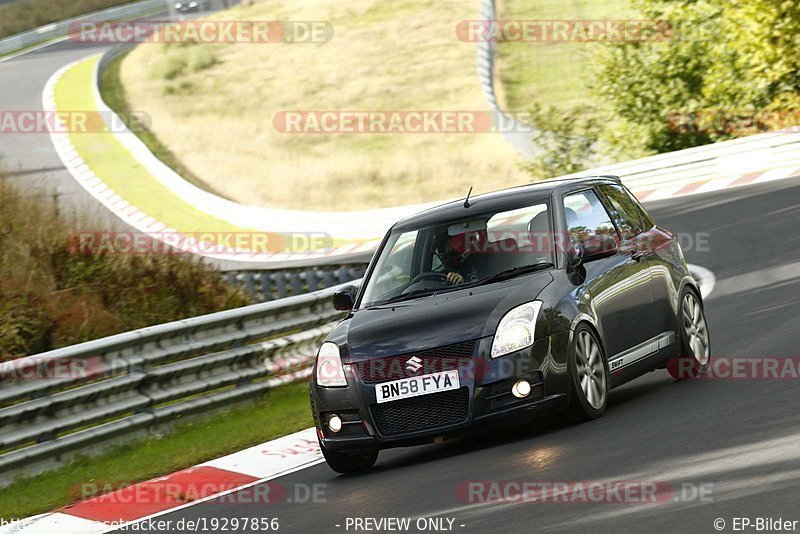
454	279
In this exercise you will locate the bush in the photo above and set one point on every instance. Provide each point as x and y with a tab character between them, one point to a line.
178	60
169	65
51	295
568	142
728	59
201	58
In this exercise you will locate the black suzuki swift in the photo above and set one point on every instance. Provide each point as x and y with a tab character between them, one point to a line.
542	297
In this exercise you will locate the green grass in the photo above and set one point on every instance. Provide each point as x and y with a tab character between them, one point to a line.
280	412
556	74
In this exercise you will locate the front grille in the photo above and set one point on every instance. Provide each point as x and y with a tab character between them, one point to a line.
422	413
435	360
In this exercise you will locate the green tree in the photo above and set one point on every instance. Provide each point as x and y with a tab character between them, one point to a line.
721	60
568	142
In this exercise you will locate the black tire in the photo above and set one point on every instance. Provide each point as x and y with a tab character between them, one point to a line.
581	407
689	364
349	462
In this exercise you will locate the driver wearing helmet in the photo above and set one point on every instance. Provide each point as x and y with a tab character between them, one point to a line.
452	251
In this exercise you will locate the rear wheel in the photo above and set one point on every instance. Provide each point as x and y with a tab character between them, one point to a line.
588	371
695	341
349	462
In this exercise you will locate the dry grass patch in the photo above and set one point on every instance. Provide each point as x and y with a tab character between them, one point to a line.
552	74
213	105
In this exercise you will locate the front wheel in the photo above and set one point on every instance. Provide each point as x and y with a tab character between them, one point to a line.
588	371
349	462
695	341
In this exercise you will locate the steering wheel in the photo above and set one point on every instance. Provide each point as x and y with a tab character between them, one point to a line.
426	275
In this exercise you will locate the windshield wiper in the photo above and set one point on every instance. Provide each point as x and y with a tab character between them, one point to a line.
515	271
412	294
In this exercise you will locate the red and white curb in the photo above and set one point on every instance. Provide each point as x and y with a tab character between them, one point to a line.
715	184
204	482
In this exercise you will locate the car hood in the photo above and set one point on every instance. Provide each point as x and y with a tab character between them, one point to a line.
436	320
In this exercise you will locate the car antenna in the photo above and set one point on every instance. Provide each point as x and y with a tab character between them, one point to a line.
466	200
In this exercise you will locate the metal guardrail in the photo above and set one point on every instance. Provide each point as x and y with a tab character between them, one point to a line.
517	135
62	28
269	285
85	396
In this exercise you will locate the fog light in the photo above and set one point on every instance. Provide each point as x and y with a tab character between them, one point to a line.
521	389
335	423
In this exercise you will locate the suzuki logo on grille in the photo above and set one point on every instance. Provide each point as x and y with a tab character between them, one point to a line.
414	364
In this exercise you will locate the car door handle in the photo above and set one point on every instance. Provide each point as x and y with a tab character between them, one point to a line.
639	255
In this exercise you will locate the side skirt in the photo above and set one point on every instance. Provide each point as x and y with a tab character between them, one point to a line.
642	358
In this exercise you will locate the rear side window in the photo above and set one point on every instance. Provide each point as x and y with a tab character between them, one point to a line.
630	217
586	216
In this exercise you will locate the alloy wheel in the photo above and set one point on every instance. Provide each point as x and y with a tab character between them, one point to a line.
695	328
591	370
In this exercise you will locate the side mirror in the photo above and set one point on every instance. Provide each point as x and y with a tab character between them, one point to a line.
574	258
345	298
576	272
598	247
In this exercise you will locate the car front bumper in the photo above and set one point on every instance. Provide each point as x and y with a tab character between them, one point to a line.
484	397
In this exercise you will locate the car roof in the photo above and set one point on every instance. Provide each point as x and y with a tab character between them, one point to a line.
511	198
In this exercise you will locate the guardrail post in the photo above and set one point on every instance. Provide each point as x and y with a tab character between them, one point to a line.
297	283
312	280
266	285
280	284
329	278
249	284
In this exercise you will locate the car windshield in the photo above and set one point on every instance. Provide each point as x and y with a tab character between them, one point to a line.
482	249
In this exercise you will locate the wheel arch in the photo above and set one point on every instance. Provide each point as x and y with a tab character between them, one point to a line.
584	319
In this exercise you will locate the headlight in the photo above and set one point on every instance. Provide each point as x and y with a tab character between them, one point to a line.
516	329
330	372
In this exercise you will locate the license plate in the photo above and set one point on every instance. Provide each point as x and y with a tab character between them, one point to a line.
417	385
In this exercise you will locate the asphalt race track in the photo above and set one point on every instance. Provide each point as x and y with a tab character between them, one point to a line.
737	439
29	159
